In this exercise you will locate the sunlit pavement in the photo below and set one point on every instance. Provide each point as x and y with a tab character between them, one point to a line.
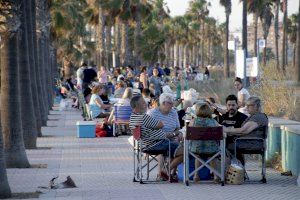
102	168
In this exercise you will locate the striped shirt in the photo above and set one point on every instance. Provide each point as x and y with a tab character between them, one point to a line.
171	120
148	130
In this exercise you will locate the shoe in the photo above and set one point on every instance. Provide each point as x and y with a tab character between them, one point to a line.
164	176
174	178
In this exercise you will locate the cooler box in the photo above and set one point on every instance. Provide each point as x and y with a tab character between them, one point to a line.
86	129
204	173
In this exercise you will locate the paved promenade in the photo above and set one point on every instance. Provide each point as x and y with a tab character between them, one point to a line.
102	168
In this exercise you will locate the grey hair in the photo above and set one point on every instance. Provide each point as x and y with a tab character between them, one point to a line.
134	102
165	97
256	101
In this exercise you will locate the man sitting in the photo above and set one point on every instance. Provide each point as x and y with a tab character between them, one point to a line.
151	129
232	118
254	125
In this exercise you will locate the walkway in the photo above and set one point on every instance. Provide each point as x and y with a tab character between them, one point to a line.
102	169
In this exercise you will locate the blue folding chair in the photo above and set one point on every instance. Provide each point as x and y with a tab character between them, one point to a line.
121	116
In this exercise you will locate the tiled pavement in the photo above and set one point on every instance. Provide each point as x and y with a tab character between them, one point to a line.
102	168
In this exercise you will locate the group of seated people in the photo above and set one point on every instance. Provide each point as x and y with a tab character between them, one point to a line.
163	122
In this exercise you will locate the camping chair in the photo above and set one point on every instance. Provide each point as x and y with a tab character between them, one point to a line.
151	158
121	116
254	143
204	133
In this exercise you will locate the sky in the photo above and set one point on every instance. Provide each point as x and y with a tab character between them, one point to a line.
178	7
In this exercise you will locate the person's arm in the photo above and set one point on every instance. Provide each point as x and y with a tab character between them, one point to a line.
101	104
151	122
242	100
244	130
160	125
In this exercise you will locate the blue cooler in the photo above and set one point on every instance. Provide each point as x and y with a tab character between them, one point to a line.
204	173
86	129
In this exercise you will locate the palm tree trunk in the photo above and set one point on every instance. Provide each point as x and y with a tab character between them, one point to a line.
202	45
125	60
33	64
226	53
41	48
171	56
176	54
100	39
137	38
108	46
255	19
185	56
14	148
284	22
276	33
27	111
166	53
117	42
5	191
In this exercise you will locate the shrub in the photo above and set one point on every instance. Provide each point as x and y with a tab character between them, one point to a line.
275	91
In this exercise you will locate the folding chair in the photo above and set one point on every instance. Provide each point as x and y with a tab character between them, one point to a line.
204	133
254	143
121	116
151	158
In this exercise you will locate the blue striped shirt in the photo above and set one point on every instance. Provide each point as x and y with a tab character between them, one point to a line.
171	121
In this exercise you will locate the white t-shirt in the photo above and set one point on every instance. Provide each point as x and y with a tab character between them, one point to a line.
245	93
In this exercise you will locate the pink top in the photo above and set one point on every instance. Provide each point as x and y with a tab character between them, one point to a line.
102	76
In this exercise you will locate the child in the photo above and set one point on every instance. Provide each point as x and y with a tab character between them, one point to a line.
203	119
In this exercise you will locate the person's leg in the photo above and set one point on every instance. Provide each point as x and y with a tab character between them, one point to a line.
196	175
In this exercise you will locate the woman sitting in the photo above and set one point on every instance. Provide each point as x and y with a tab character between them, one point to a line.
97	106
203	119
124	101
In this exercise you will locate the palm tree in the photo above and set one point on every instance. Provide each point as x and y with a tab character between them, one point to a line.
42	22
276	30
30	6
14	148
255	7
266	18
298	50
227	5
27	110
284	22
4	186
199	9
292	34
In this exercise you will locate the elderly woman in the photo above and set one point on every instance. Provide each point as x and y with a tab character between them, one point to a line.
151	127
97	106
166	113
255	122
